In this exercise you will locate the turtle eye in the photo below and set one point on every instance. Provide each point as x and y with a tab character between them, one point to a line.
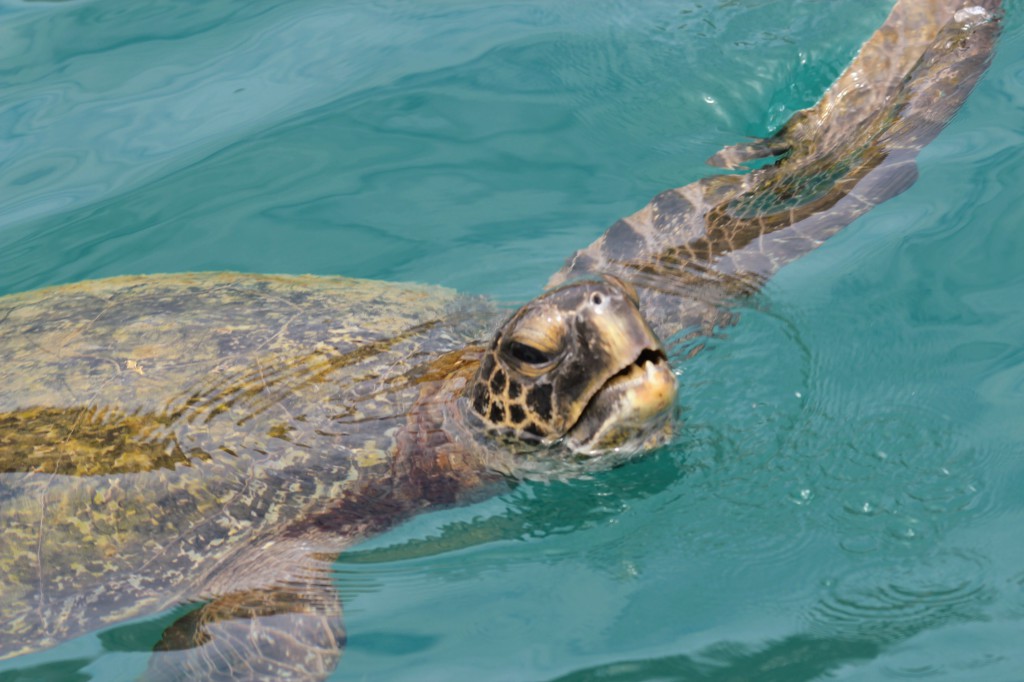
528	354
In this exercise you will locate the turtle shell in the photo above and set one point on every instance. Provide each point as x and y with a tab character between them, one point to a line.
206	413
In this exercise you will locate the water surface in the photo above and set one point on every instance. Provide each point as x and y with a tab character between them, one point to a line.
844	499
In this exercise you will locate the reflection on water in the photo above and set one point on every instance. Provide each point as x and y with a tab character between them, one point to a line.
800	657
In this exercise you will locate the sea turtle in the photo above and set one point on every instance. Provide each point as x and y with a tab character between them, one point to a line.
173	438
218	439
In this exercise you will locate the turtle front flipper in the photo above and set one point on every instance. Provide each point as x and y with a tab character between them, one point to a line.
280	633
692	252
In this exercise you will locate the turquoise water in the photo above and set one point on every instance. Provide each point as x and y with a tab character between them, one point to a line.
846	498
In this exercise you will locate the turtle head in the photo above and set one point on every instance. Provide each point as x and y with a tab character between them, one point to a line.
578	365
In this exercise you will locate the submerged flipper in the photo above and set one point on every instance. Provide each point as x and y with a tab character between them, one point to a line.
262	634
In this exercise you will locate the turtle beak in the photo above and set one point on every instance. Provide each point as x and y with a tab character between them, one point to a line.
630	409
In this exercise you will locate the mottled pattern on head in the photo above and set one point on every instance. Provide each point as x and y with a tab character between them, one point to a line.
554	354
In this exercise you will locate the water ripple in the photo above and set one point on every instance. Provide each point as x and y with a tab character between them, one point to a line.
129	100
891	601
